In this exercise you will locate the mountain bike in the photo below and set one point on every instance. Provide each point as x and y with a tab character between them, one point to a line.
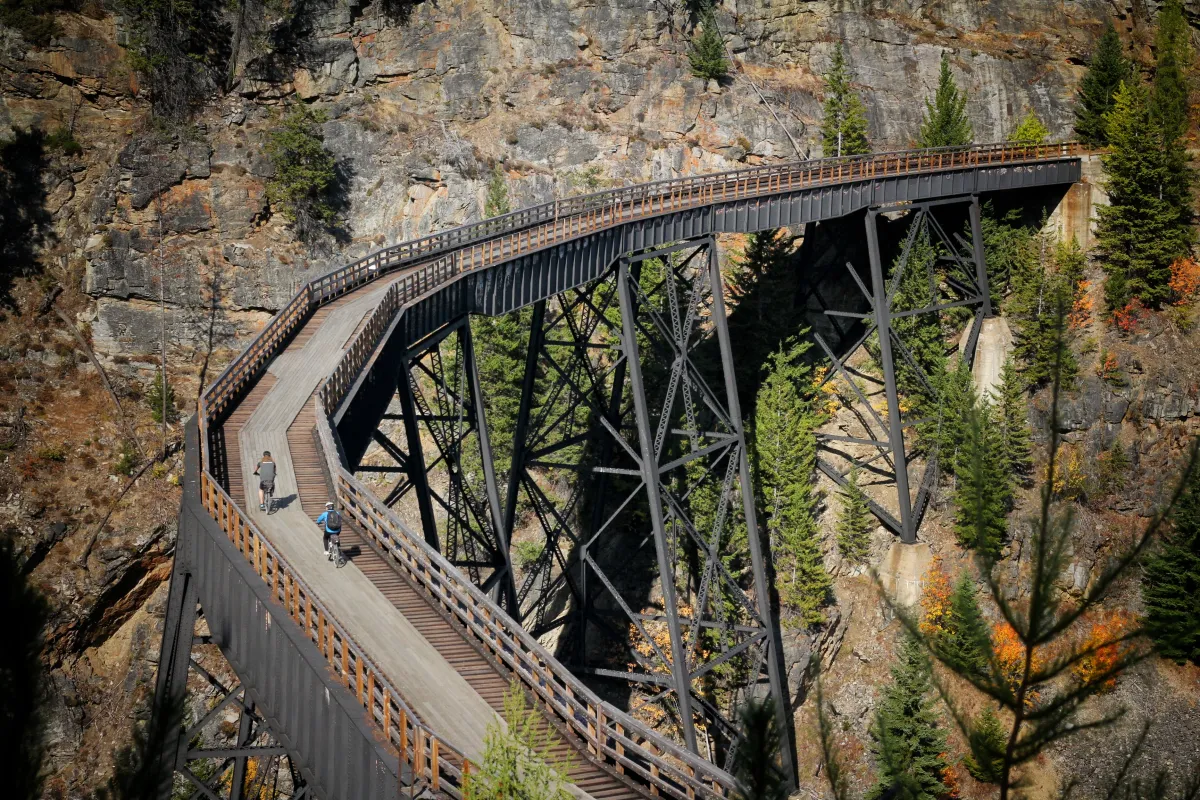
334	552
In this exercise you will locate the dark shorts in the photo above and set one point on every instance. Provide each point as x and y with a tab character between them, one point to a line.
267	486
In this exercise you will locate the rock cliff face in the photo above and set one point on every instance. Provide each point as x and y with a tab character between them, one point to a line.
423	98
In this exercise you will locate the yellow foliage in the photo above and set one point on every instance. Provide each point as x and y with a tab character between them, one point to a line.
1097	668
935	600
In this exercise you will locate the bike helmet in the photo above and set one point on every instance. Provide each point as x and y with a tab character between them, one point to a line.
329	504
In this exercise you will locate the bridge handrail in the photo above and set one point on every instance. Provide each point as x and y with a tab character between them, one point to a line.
599	209
418	746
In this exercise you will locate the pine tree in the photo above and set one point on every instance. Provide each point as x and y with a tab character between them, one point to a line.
785	449
1171	582
1013	416
1006	244
948	425
155	400
761	290
965	643
519	758
1042	298
987	739
844	127
855	522
920	333
1146	226
1169	101
1106	71
946	123
497	202
707	55
982	494
909	742
1030	131
305	171
756	768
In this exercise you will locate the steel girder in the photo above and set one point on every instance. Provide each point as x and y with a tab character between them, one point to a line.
227	753
629	437
437	444
961	281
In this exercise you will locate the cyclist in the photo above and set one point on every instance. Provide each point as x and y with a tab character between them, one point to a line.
265	470
331	527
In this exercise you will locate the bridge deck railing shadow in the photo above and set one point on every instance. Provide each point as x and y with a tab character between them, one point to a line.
437	260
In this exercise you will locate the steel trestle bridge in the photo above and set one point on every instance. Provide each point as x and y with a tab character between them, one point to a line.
624	462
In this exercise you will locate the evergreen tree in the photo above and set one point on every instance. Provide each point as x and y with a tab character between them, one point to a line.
1171	581
982	494
946	123
948	425
519	758
497	202
785	449
855	522
987	739
1030	131
707	55
965	642
500	345
756	769
909	742
1169	101
155	399
920	333
1006	245
1147	224
761	291
844	127
1043	295
305	171
1107	69
1013	417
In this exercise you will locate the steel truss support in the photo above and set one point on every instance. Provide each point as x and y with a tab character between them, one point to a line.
961	282
229	751
442	456
630	463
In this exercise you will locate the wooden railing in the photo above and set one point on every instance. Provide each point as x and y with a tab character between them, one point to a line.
610	734
360	351
420	748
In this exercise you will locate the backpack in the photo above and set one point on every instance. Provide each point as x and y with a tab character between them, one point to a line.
333	521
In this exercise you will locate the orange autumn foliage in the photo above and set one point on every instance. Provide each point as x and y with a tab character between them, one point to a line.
935	600
1127	318
1009	651
950	778
1097	668
1185	280
1081	312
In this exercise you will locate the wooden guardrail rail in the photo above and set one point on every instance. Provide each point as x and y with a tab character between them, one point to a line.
429	756
609	733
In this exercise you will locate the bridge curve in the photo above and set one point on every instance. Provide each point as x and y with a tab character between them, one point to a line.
296	390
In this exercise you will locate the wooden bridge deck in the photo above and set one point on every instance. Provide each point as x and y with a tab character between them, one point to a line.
441	674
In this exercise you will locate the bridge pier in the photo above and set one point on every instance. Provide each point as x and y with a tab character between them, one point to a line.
965	285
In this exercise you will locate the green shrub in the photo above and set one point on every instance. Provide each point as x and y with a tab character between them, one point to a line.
525	554
52	453
62	139
33	18
127	460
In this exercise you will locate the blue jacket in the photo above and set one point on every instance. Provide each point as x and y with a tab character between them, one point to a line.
321	520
